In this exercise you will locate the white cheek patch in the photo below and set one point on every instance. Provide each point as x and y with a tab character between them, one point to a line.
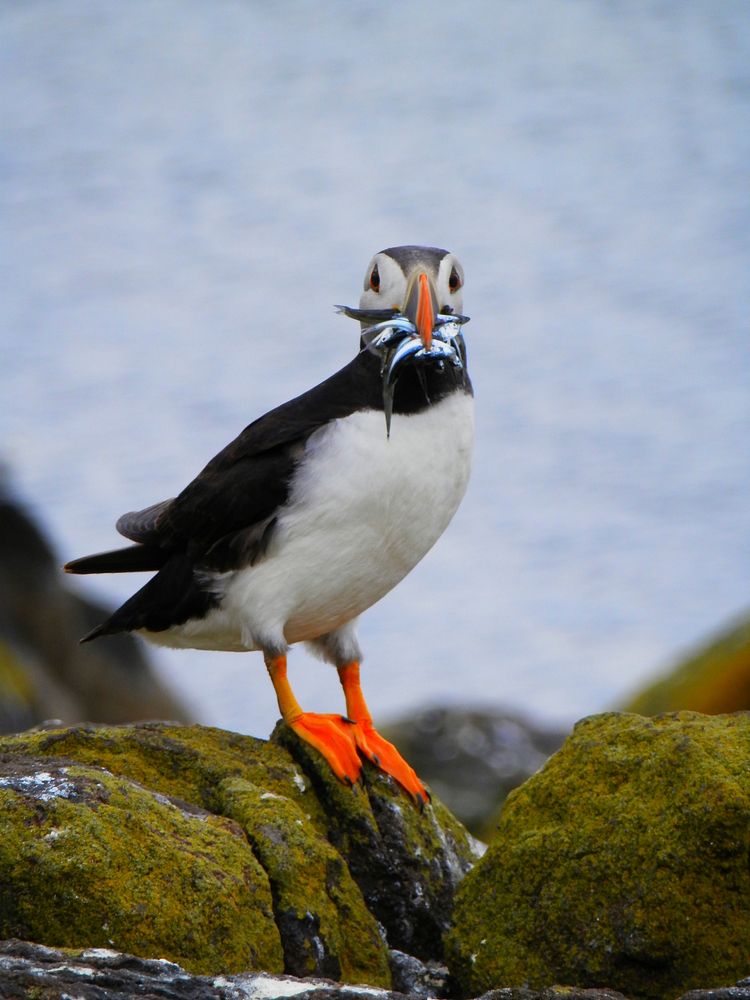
392	285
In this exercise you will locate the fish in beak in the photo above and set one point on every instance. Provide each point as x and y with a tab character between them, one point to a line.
421	306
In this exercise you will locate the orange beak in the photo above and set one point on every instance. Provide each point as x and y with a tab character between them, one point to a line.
421	306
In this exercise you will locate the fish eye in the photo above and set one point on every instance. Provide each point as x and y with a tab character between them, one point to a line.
454	282
375	279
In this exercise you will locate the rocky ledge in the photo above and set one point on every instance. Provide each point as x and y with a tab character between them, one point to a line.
623	862
35	972
220	852
229	865
44	671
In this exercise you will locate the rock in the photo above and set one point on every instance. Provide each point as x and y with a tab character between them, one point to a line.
323	865
418	979
44	672
87	858
741	991
623	862
35	972
714	678
551	993
472	758
407	863
325	927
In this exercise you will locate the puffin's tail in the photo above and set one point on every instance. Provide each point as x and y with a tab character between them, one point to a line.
132	559
106	628
173	596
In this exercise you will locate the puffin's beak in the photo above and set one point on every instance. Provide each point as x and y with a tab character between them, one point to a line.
421	306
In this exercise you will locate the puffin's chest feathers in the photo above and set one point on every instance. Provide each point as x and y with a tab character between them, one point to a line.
393	492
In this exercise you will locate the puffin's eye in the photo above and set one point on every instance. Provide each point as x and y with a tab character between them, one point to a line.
454	282
375	279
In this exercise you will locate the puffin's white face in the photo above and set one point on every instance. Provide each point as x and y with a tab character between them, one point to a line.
391	275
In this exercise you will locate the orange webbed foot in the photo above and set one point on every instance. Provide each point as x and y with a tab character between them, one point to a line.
369	741
386	757
332	736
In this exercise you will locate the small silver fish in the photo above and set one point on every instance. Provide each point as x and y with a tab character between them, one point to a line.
363	315
382	335
394	338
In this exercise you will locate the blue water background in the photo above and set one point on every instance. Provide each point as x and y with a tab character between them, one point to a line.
187	187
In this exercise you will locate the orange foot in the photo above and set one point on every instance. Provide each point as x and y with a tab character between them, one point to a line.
333	736
385	756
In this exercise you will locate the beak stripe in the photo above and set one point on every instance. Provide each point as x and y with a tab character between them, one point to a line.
425	316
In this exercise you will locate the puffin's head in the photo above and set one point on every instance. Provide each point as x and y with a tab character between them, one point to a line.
410	313
418	282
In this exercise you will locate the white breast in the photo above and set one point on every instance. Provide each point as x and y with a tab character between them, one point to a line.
364	509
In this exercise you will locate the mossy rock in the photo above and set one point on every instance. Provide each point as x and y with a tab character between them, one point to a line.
319	909
335	862
714	679
185	761
89	859
622	863
407	862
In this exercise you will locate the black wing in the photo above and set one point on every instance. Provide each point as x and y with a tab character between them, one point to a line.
241	488
225	517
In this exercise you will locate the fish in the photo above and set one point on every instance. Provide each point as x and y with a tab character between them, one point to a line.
394	338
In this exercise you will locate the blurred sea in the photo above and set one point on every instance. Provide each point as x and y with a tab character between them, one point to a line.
187	187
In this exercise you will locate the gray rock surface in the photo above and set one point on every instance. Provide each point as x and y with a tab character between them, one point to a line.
34	972
418	979
741	991
551	993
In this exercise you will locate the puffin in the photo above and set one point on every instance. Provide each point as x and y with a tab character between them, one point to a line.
319	508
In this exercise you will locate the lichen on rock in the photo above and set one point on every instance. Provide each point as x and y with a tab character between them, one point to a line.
622	863
325	925
90	859
713	678
407	863
323	865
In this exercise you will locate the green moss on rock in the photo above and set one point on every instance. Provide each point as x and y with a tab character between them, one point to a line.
326	927
89	859
406	862
333	861
188	762
622	863
715	678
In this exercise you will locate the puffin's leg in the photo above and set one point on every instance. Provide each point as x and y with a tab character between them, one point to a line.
332	735
377	749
